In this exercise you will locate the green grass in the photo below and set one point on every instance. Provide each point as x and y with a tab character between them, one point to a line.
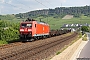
56	23
10	18
62	49
3	42
85	37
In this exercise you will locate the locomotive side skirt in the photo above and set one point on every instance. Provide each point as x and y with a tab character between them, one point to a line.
41	34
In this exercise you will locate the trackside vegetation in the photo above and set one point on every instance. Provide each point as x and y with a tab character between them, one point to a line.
85	37
85	28
78	37
8	31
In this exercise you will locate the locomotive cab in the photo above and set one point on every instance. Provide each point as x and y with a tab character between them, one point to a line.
27	28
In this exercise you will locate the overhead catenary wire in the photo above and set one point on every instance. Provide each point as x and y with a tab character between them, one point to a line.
36	1
14	5
23	4
41	3
49	3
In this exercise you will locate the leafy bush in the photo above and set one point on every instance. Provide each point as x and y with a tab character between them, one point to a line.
85	37
8	33
85	28
80	35
3	42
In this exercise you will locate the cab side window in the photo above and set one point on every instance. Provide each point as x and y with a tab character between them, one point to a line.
35	25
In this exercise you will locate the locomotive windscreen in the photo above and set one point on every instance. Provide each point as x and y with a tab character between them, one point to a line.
26	25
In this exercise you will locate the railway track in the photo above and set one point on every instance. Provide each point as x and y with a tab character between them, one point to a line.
10	45
36	52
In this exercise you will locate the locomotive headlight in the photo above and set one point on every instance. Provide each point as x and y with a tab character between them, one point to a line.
29	29
21	29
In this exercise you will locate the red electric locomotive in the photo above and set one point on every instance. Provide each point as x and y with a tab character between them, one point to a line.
31	29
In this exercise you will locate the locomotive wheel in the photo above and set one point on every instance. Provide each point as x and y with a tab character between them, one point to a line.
32	39
38	38
43	37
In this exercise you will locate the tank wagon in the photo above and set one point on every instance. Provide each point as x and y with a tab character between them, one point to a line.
32	29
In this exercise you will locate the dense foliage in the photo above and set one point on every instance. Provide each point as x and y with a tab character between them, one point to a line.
8	31
7	17
60	11
85	29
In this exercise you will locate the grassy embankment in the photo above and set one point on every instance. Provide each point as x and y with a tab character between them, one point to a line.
85	37
56	23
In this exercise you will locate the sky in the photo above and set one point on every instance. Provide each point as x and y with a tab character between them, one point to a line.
23	6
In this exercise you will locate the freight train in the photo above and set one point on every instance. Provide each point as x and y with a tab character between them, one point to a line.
32	30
